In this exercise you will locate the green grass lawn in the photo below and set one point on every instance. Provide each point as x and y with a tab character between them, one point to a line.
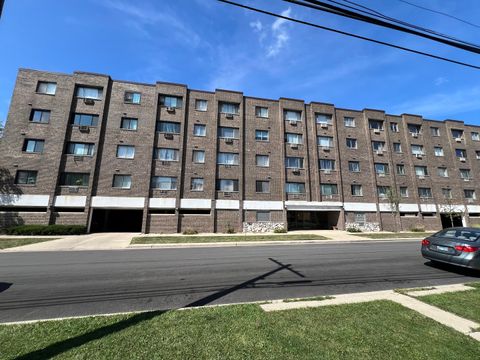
13	242
226	238
376	330
413	235
463	303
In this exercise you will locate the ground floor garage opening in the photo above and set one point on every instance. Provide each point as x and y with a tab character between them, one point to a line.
312	220
451	221
106	220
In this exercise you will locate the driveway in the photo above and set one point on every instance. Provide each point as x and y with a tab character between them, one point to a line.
98	241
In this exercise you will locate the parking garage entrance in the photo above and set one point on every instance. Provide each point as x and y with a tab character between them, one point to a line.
107	220
451	220
312	220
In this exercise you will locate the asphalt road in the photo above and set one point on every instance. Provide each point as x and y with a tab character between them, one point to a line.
56	284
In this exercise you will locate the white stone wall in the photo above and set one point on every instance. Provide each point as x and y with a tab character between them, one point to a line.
262	226
367	227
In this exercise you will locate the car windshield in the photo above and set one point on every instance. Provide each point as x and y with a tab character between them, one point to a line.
460	234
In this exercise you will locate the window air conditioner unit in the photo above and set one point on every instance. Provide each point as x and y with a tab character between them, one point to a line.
381	174
73	189
418	156
84	128
415	135
466	179
78	158
170	109
328	197
296	171
168	136
459	140
379	152
462	159
227	165
228	141
327	171
376	131
293	122
88	101
293	146
324	126
421	177
470	200
326	148
229	116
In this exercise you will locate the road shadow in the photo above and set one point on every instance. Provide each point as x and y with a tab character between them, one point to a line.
454	269
4	286
68	344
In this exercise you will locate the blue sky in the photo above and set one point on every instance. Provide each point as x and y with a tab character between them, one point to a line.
206	45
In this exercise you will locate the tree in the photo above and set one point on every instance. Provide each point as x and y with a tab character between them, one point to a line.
451	210
394	203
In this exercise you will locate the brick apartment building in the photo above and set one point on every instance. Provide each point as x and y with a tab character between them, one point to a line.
124	156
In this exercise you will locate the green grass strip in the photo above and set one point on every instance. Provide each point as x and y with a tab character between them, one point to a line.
226	238
14	242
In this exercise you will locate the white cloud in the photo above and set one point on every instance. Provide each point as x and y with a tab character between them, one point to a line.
256	25
443	105
280	35
440	81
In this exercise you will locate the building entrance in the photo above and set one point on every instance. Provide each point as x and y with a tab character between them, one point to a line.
106	220
312	220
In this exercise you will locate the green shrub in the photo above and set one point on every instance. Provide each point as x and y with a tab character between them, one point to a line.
190	232
417	229
281	230
353	229
46	230
230	229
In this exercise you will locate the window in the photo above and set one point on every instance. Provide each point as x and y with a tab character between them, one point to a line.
26	177
360	218
227	185
44	87
417	149
400	169
375	124
460	153
263	215
457	134
323	119
424	193
326	164
168	127
403	191
292	115
122	181
328	189
197	184
171	101
89	92
262	160
294	162
85	120
80	149
228	132
381	168
469	194
383	191
357	190
475	136
164	183
198	156
349	121
354	166
325	141
165	154
414	129
33	146
227	159
421	171
125	151
438	151
351	143
74	179
40	116
447	193
261	135
397	147
201	105
378	145
129	123
477	154
465	174
262	186
294	188
434	131
442	172
132	97
229	108
199	130
394	127
291	138
261	111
